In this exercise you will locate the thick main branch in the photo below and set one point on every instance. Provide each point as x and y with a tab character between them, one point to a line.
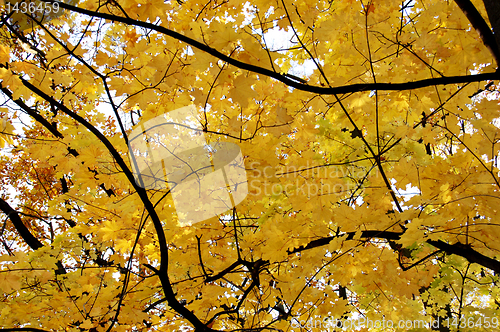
23	231
162	272
280	77
458	248
478	22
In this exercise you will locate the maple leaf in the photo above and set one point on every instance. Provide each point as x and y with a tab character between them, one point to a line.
242	90
4	54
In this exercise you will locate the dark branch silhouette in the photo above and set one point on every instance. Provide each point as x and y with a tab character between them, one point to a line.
457	248
23	231
481	27
360	87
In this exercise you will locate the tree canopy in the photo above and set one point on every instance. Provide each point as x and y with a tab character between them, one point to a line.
351	147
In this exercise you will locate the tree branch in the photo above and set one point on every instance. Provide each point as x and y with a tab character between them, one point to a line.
281	77
493	10
468	253
457	248
481	27
23	231
163	270
350	235
33	114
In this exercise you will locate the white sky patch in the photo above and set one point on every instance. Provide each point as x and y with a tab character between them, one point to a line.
406	193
